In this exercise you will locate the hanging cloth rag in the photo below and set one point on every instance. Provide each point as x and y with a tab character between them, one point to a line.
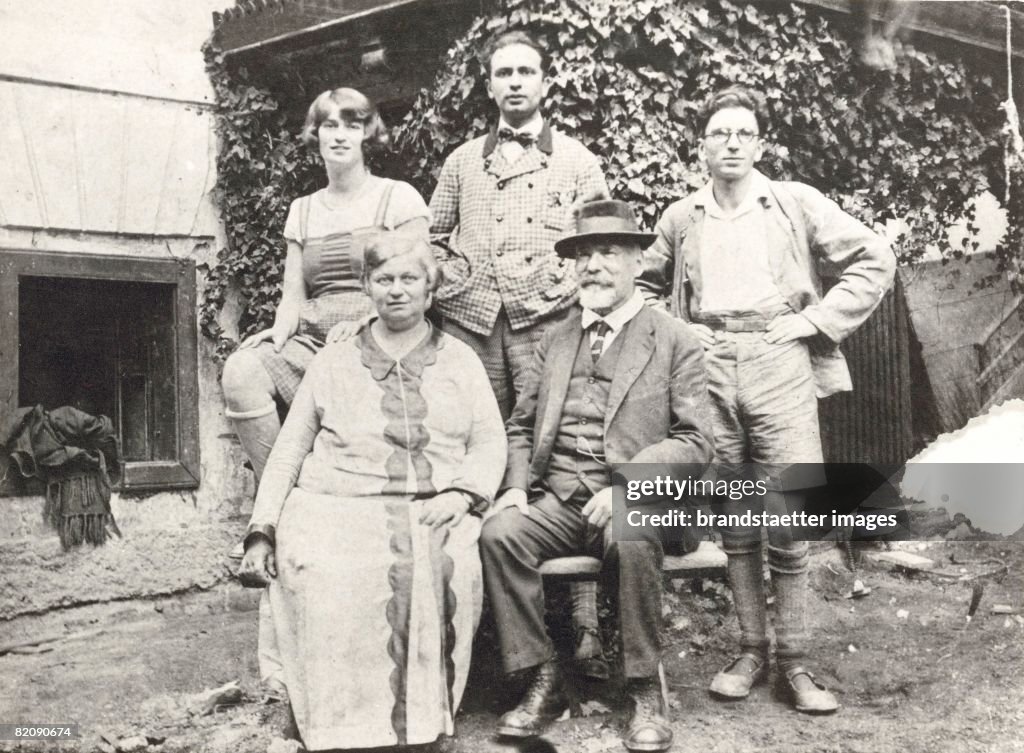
77	456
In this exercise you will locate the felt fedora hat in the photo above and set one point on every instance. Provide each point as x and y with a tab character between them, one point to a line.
607	219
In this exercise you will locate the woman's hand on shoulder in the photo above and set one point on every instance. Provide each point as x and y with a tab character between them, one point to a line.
345	331
259	565
446	508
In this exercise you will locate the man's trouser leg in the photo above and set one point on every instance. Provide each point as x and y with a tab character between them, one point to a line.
488	349
782	410
505	353
635	566
765	412
512	547
518	347
742	545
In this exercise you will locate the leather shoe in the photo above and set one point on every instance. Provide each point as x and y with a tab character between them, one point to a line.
543	701
649	728
589	657
736	680
809	695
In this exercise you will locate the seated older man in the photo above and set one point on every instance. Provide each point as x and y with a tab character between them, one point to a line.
615	383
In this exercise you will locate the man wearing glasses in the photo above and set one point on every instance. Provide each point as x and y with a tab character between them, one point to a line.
739	260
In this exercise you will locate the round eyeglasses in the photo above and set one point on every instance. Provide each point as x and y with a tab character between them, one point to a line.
720	137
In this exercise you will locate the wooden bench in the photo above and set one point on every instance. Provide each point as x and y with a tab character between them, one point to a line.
708	561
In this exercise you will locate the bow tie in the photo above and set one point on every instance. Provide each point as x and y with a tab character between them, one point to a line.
526	140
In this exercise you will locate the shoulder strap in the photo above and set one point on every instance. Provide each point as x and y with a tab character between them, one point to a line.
385	202
304	216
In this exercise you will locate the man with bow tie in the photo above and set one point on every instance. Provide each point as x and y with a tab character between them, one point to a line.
502	200
612	387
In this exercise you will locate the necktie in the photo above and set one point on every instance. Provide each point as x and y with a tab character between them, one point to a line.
600	328
522	138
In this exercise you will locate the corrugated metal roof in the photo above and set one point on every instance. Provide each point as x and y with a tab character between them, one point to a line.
873	424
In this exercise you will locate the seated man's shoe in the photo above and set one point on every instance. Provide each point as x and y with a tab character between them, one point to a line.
809	695
649	728
543	701
589	657
736	680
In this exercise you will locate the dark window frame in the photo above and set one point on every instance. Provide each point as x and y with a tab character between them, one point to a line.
181	473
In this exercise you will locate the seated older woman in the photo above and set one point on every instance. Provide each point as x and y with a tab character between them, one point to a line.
360	524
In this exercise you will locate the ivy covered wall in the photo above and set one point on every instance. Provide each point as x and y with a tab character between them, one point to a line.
916	143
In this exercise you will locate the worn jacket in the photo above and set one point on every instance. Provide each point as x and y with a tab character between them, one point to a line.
505	219
63	442
807	236
658	408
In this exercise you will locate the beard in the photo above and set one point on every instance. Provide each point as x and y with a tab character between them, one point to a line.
599	298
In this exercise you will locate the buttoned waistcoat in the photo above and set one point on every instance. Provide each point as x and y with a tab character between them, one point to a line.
658	410
505	218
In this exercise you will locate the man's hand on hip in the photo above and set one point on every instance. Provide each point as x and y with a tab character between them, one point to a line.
789	327
598	511
705	334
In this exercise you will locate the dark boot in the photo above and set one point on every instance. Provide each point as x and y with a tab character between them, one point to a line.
543	701
649	728
589	657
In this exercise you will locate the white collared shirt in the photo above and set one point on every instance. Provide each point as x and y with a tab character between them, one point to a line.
513	150
735	273
615	320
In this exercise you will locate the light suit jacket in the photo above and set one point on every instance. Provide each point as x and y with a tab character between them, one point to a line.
807	234
658	406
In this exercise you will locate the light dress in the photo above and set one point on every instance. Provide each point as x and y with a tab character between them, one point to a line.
374	612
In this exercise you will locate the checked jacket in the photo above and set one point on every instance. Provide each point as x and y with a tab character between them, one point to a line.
505	218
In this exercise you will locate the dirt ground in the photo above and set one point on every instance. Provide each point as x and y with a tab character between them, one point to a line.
912	674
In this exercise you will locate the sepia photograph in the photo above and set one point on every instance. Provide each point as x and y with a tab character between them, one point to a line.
512	376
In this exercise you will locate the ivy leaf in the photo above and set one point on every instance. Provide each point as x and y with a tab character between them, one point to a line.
636	186
916	145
